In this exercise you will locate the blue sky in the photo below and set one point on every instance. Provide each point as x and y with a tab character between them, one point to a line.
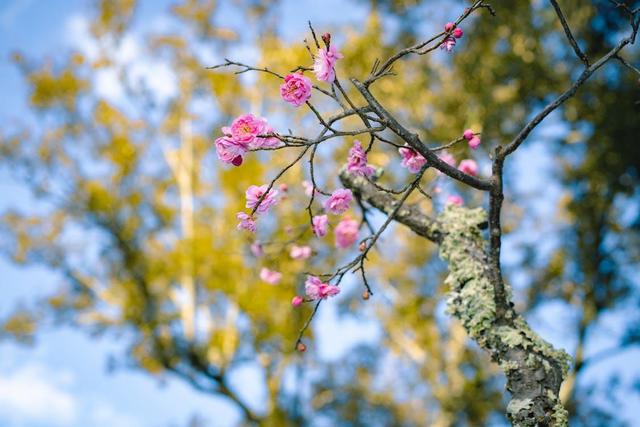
63	380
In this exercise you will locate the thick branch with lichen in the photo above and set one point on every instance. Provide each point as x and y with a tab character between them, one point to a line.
534	369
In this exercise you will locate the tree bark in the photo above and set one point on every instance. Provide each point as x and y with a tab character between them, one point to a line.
533	368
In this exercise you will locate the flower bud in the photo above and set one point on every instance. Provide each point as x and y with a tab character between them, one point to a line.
468	134
301	347
297	300
457	33
365	295
326	38
362	246
449	26
474	142
237	161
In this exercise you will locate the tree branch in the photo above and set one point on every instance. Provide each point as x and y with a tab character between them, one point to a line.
567	31
410	216
414	142
534	369
524	133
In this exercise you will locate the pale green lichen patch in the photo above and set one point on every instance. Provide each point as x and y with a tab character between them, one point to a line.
471	300
471	296
560	416
515	406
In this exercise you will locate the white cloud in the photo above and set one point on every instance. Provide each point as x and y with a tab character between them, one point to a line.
128	52
77	35
31	394
108	84
158	76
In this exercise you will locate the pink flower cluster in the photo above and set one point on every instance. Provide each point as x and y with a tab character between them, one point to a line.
346	233
316	289
296	89
253	194
473	140
246	132
324	63
447	158
339	201
270	276
320	224
455	200
246	222
300	252
450	40
357	162
411	159
469	167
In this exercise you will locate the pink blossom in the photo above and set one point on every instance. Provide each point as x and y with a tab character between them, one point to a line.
297	301
357	163
256	249
245	128
270	276
346	233
308	187
245	131
320	224
339	201
447	158
411	159
449	26
457	33
315	289
265	141
246	222
230	151
448	44
324	63
469	166
254	193
454	199
474	142
300	252
242	136
296	89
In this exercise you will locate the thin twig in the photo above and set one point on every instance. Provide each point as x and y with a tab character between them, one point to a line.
567	31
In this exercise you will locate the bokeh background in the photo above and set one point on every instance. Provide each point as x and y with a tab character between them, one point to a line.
116	215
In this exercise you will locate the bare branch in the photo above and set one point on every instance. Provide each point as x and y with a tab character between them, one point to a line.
379	71
627	64
584	76
567	31
414	142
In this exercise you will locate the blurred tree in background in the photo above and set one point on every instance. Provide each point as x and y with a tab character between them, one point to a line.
137	215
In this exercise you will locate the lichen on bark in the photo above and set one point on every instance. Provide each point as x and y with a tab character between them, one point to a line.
534	369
